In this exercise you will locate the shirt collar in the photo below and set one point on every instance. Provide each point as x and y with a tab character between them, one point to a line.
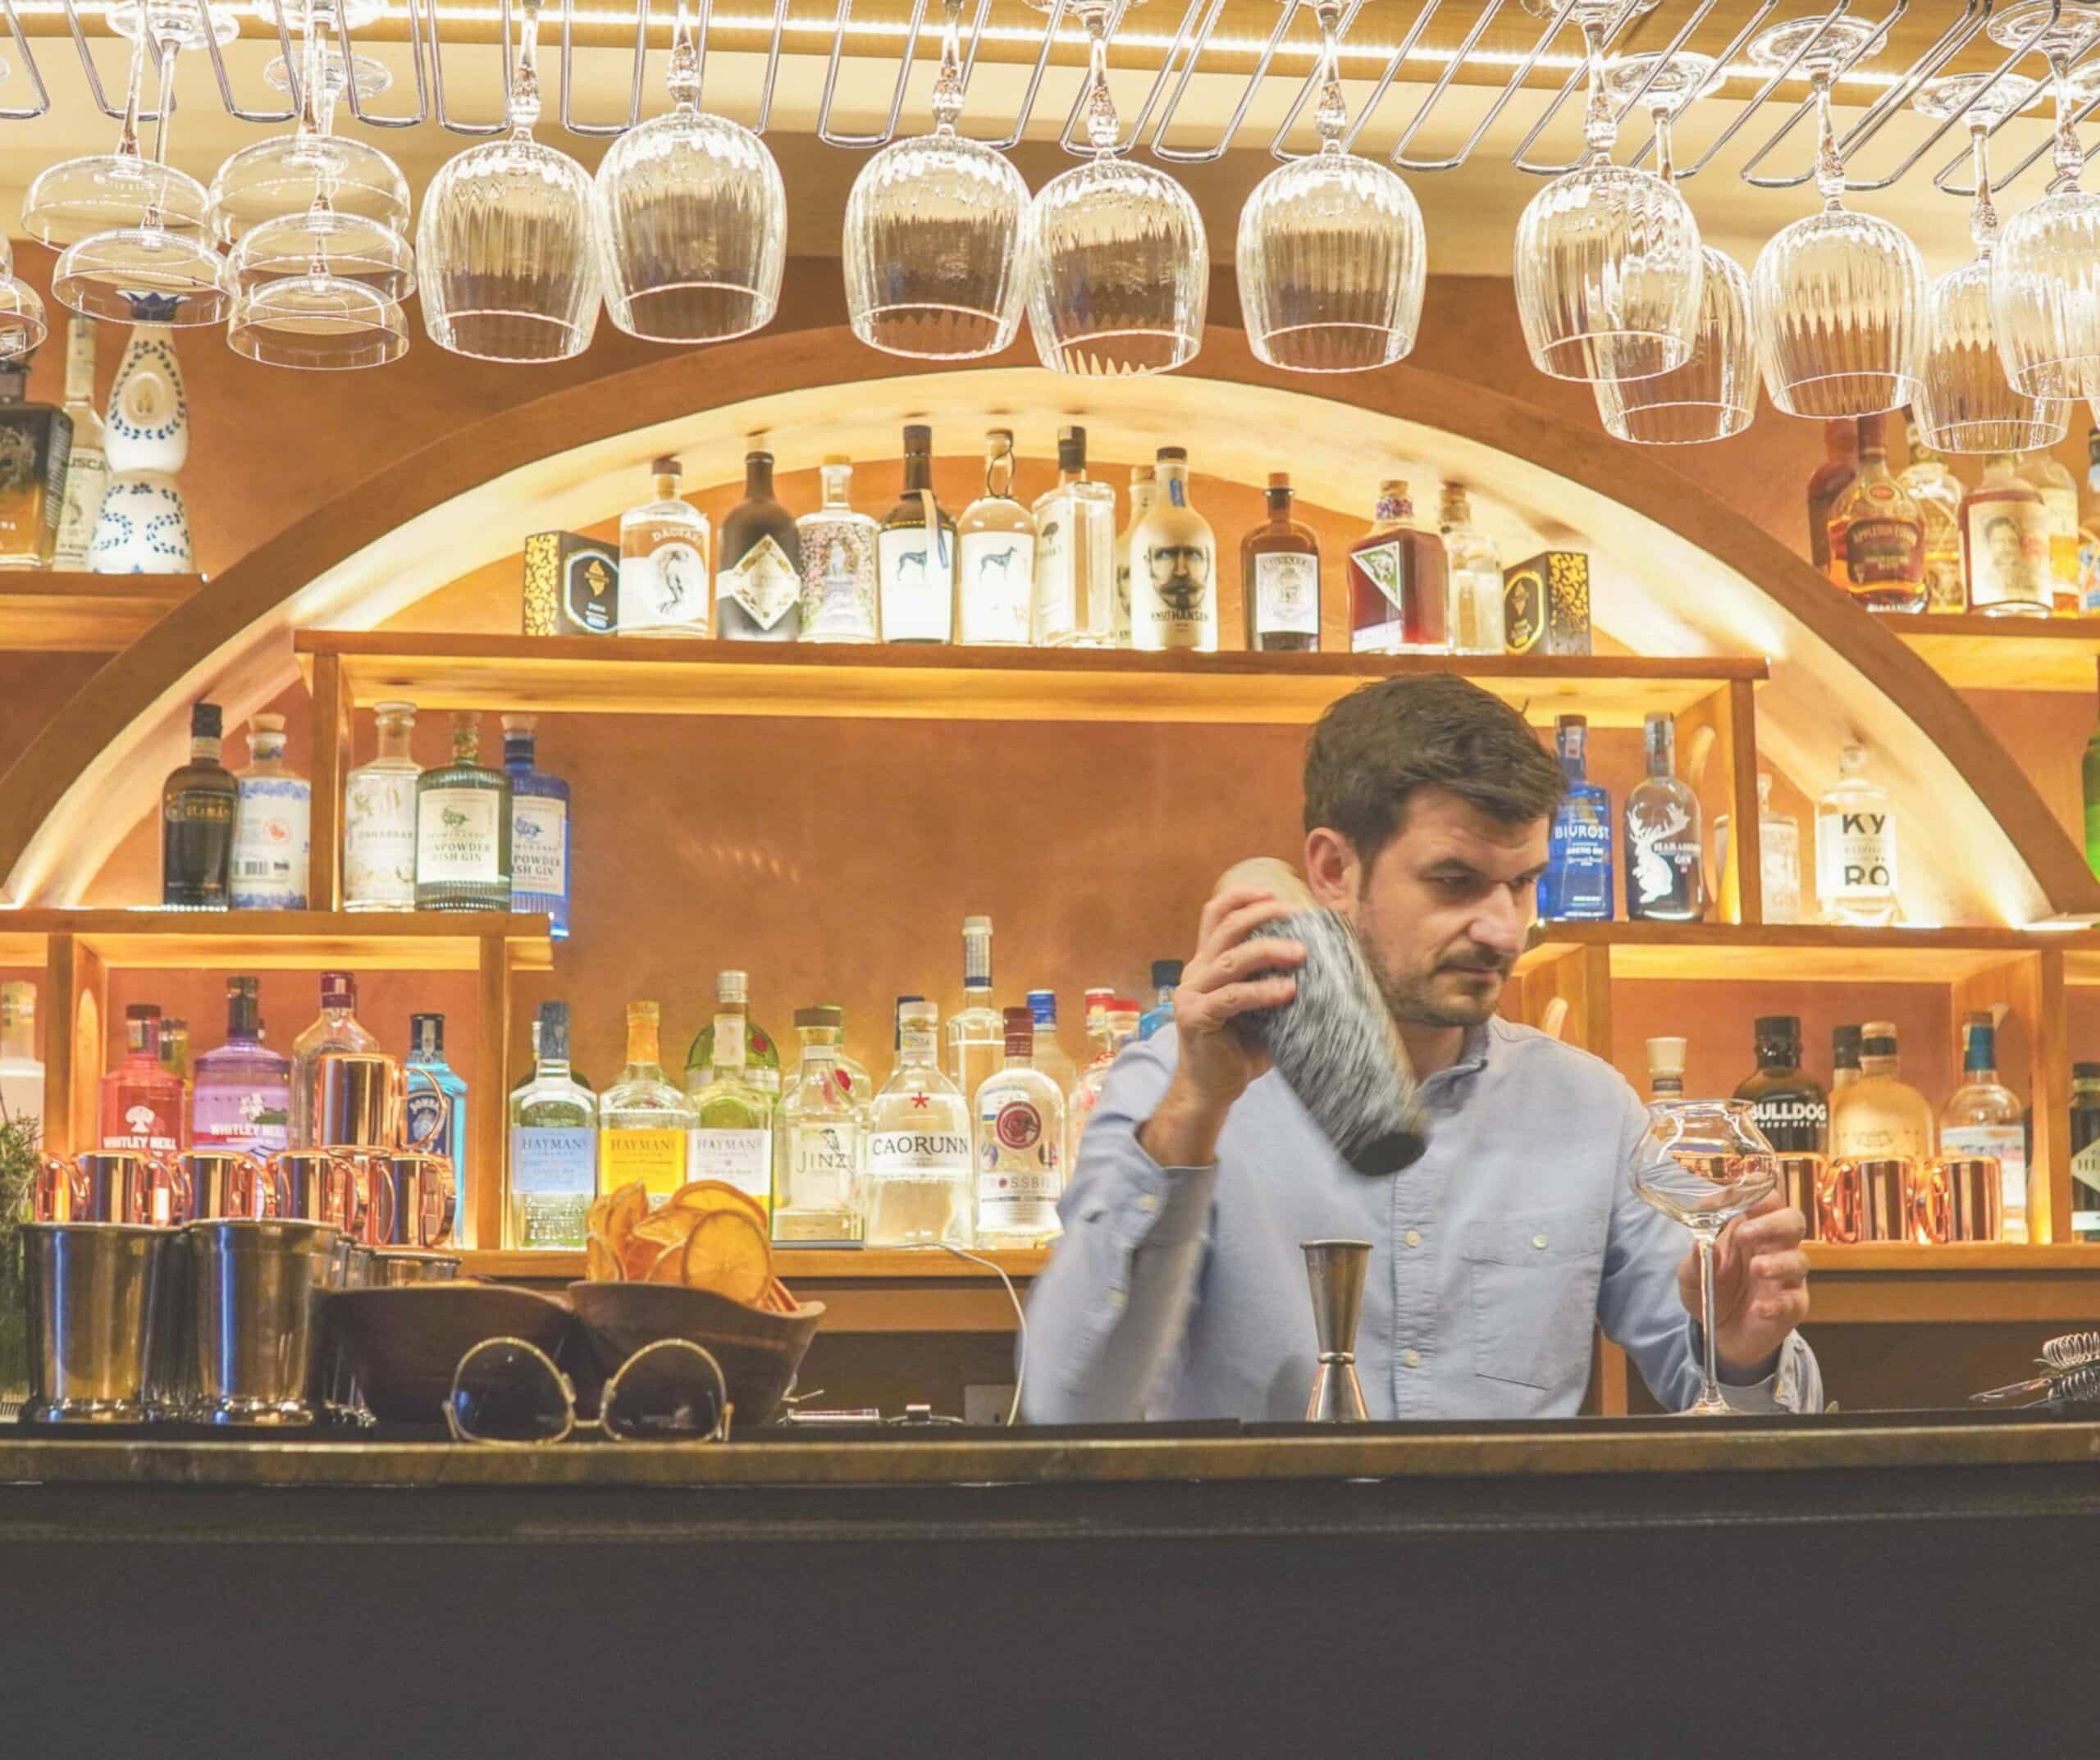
1472	1058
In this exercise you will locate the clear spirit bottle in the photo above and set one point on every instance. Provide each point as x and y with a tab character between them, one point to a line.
1779	856
1839	469
144	1103
976	1031
21	1075
818	1164
242	1096
2085	1151
1938	492
1020	1147
1664	879
87	468
1877	532
1079	603
663	572
1575	887
758	570
2049	479
2005	544
37	441
539	829
1879	1115
1173	568
1855	875
645	1123
1400	586
1666	1068
198	805
995	557
732	1136
379	819
1279	578
463	828
1051	1057
435	1117
1166	980
852	1074
1787	1103
1474	568
761	1058
1119	1026
2089	532
554	1147
1144	490
336	1029
1984	1117
838	563
915	553
273	819
919	1143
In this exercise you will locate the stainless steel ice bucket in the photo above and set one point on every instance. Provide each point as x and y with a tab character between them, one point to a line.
253	1289
93	1289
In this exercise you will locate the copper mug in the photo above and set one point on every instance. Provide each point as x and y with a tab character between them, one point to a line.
1887	1192
321	1185
414	1198
233	1184
360	1099
128	1186
1967	1193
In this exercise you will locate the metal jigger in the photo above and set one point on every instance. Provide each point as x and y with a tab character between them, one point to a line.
1335	1271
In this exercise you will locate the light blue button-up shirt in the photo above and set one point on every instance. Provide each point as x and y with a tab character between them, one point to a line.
1180	1292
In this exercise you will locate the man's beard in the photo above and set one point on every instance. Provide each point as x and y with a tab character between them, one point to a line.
1410	997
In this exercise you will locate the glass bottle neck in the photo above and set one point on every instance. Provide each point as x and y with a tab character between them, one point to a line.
1882	1063
1280	500
204	748
837	487
667	488
643	1050
395	737
918	473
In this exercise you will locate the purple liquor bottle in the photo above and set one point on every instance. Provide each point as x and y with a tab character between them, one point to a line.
243	1093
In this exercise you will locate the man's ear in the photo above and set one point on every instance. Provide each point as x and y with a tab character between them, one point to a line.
1332	869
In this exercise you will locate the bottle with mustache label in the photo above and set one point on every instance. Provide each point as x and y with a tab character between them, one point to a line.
1173	567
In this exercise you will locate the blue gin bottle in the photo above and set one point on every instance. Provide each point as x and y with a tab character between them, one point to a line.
436	1107
539	829
1577	885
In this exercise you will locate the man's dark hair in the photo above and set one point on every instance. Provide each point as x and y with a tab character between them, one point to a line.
1372	751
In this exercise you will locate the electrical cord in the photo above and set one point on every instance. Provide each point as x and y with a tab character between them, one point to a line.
1020	1322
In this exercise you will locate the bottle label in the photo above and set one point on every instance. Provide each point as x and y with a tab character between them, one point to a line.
270	844
242	1118
2009	554
914	1153
740	1158
822	1160
1170	603
657	1158
2085	1192
1385	566
456	842
918	584
1057	597
1287	594
538	845
430	1124
1662	850
727	1048
998	583
553	1160
914	1045
1879	545
379	842
1019	1175
838	581
1855	855
1793	1123
764	582
666	588
2008	1142
591	590
86	477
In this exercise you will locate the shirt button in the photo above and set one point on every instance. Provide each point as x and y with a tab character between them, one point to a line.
1148	1203
1412	1359
1117	1299
1538	1242
1414	1237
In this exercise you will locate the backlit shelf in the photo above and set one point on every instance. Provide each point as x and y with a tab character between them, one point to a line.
279	940
1973	653
1809	953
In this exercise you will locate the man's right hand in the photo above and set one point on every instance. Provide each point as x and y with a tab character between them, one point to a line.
1228	977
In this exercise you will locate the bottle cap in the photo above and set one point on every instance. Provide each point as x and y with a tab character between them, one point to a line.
758	455
1172	455
1043	1007
265	723
1783	1027
1845	1046
977	925
206	721
554	1032
1126	1005
1021	1033
1393	487
1140	473
393	711
1878	1039
651	1011
732	987
1000	435
426	1033
666	467
1165	973
823	1015
1563	723
836	461
918	437
1666	1056
1279	480
2086	1072
338	989
520	726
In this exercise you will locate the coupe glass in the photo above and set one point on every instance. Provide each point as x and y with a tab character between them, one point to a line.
23	326
1704	1163
1607	266
1714	394
1836	296
1331	253
504	251
321	319
1118	265
1965	403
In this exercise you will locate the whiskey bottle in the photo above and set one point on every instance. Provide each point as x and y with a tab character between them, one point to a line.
1079	603
1173	568
1475	620
1399	593
198	805
1880	1115
1279	578
2005	542
2049	479
1877	532
1984	1117
463	828
36	446
1938	492
839	563
758	573
1831	479
272	817
1787	1103
2085	1151
664	578
1665	880
915	553
87	470
1855	880
1144	490
995	557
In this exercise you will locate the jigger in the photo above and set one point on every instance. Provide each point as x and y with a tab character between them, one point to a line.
1334	1271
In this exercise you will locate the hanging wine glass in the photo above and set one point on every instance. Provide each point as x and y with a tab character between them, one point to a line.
691	218
1119	269
1965	403
1331	255
1714	394
1835	296
23	325
1607	260
505	253
935	268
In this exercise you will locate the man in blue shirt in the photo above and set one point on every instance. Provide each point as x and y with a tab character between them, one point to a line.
1178	1290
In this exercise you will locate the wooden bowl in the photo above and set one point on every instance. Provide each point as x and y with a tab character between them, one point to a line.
760	1353
404	1343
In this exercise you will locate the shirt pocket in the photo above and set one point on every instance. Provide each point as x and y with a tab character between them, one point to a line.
1534	1295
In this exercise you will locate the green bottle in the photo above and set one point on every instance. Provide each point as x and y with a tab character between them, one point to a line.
2091	778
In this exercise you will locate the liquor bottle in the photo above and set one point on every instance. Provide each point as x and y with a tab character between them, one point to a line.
839	563
1844	1057
1082	587
818	1162
2085	1151
2089	780
379	819
1938	491
915	553
760	1062
1666	1068
850	1072
1984	1117
1880	1115
995	557
1855	881
758	566
976	1031
1779	856
663	575
87	468
174	1049
644	1122
2089	532
1787	1103
1050	1056
463	828
1831	479
1020	1147
1279	578
2049	479
21	1076
1665	880
732	1136
273	813
434	1116
1474	566
198	802
1399	588
1119	1026
337	1028
919	1143
539	829
1575	887
144	1103
37	441
1173	567
2005	544
554	1147
243	1092
1877	532
1144	491
1166	980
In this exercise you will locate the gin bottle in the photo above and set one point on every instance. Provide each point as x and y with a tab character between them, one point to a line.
664	577
1020	1147
1399	589
1166	980
1856	876
732	1134
198	802
539	829
1938	492
87	470
272	815
379	819
1173	568
761	1058
435	1116
758	574
174	1049
1984	1117
645	1123
1077	601
243	1090
337	1028
1474	568
1575	887
143	1104
818	1164
919	1143
1119	1026
1664	883
915	553
838	563
21	1075
1279	578
1787	1103
554	1147
463	828
976	1031
1144	490
1779	856
995	557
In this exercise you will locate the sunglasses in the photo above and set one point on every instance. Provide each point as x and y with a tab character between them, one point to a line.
508	1392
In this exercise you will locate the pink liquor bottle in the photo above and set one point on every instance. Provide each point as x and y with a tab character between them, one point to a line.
243	1092
143	1102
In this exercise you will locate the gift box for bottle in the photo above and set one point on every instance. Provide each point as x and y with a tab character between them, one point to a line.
1545	604
571	585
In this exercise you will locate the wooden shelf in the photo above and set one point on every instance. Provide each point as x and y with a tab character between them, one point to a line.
1812	953
585	674
1986	1283
279	940
46	612
2004	653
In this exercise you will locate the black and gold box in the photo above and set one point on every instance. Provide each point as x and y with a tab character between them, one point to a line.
571	585
1545	604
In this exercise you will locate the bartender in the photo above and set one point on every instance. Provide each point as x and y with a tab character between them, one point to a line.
1178	1290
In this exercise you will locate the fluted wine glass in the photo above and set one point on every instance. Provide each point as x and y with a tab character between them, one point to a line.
1119	265
1836	296
1607	264
1965	402
1704	1163
1331	253
1714	394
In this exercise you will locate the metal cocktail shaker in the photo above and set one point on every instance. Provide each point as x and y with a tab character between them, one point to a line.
95	1290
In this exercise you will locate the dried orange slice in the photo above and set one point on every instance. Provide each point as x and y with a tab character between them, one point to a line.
729	1254
629	1206
717	1194
601	1265
670	1267
650	1238
599	1215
